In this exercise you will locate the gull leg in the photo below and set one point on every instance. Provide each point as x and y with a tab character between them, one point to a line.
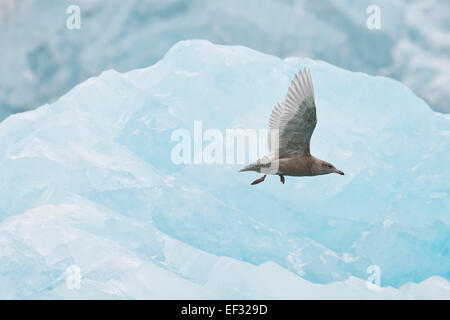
259	180
282	178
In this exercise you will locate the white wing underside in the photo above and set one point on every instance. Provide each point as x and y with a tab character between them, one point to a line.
292	123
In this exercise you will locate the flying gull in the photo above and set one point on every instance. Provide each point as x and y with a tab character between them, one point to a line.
291	126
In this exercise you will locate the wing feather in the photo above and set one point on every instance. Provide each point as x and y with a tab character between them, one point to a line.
295	119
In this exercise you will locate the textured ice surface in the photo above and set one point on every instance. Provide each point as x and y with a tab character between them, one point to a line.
41	59
88	181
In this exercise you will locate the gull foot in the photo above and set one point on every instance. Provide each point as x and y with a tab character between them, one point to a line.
282	178
259	180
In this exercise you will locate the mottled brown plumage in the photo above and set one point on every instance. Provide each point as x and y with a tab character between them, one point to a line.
291	126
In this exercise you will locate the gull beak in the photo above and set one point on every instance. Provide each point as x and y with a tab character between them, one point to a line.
340	172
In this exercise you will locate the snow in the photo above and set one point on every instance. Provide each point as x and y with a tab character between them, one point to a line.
88	181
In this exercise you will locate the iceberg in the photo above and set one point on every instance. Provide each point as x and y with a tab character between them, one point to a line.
89	185
412	44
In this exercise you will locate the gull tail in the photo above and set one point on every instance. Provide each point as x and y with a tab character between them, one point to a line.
258	165
251	167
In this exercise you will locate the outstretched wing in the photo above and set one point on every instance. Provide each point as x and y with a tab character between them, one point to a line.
292	123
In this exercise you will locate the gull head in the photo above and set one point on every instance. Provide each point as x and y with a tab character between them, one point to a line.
326	167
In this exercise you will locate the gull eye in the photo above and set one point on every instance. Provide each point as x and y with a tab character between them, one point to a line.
329	166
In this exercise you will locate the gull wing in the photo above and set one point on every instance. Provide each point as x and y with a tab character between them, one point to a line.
292	123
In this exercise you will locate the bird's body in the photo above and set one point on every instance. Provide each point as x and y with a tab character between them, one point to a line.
292	124
298	166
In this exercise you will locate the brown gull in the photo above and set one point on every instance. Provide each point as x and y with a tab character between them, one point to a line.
291	126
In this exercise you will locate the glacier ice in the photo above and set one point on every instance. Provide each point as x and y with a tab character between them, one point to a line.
412	45
88	181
